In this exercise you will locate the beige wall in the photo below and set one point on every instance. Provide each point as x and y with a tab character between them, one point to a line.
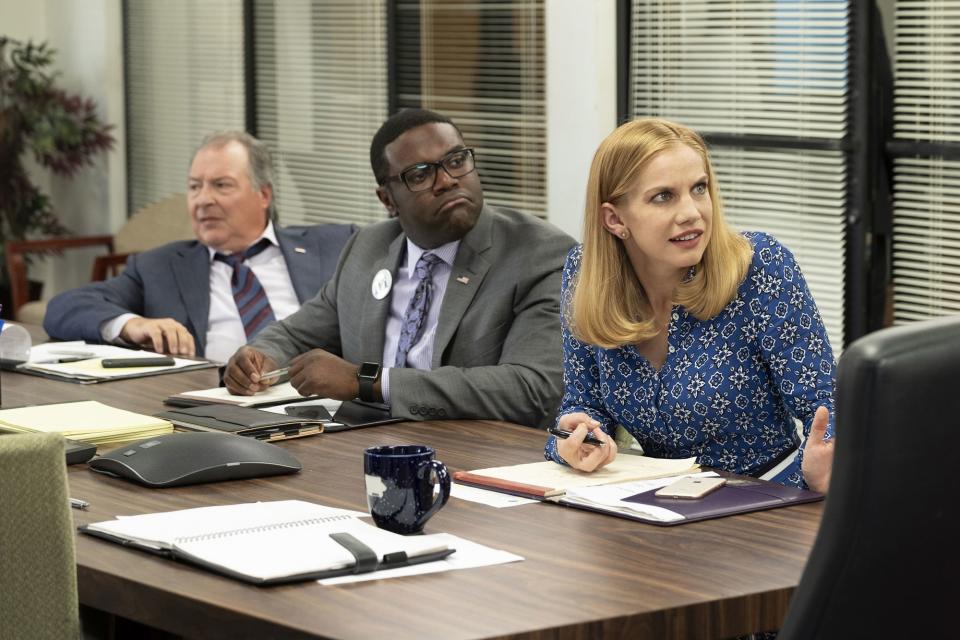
87	35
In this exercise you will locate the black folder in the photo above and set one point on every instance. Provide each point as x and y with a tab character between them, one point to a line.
243	421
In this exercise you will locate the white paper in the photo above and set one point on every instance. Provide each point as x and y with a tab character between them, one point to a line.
611	496
468	555
489	498
276	393
559	477
45	357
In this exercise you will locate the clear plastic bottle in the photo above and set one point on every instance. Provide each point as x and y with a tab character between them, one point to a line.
14	343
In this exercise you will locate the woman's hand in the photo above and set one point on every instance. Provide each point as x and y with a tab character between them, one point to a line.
818	454
585	457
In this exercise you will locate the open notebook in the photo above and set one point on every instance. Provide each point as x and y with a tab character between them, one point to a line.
547	479
268	543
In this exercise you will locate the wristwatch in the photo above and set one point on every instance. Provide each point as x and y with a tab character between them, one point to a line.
367	376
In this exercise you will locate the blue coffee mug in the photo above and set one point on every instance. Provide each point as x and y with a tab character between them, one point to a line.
400	491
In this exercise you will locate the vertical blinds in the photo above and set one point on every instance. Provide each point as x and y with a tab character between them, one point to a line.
184	75
321	94
761	78
482	64
926	229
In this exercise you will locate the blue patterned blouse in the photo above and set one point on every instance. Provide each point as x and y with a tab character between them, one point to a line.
730	387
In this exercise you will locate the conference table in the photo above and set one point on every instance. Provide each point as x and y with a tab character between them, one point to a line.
584	575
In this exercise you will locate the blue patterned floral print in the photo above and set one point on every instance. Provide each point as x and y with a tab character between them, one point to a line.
730	387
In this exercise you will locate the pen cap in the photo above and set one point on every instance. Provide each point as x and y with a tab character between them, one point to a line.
14	343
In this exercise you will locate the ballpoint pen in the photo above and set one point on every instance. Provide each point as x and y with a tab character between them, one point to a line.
77	503
276	373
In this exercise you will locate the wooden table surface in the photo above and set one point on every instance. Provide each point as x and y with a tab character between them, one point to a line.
585	575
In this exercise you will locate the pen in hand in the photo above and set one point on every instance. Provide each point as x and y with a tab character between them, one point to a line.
276	373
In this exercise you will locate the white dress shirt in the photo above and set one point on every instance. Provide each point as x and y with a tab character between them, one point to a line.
225	332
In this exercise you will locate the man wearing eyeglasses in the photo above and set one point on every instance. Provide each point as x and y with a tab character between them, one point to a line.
450	309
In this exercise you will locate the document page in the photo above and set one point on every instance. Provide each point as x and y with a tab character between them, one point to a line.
160	530
560	478
91	421
276	393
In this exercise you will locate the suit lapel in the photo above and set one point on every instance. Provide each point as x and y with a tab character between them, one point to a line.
373	320
297	262
469	269
191	268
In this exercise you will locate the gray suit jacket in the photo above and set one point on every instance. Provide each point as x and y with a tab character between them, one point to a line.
497	352
173	281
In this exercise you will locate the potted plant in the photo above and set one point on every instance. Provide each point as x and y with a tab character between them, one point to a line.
61	130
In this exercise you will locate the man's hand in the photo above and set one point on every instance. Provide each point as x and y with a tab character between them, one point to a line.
163	335
320	373
818	454
246	366
585	457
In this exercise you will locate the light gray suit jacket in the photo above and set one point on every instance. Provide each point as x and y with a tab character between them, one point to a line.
497	353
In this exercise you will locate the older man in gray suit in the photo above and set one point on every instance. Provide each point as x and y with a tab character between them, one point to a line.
450	309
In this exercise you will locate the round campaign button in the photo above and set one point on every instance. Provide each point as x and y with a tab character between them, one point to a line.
381	284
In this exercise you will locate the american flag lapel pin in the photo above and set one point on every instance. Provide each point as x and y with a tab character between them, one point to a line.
299	249
463	280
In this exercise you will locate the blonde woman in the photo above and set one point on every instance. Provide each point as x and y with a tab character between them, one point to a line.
698	340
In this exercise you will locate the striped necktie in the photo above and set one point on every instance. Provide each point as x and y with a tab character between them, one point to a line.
413	320
248	294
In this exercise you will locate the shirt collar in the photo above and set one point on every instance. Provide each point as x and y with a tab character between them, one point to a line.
269	233
446	252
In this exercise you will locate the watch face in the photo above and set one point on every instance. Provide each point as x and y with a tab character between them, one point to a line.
368	370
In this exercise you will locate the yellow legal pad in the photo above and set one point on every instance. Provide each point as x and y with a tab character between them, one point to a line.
90	421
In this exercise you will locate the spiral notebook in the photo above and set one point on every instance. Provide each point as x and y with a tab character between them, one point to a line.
266	543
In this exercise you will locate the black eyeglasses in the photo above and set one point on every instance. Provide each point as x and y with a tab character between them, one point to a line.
422	176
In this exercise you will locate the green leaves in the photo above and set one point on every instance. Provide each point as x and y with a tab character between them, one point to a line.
61	130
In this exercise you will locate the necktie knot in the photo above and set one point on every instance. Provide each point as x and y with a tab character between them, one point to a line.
425	265
239	257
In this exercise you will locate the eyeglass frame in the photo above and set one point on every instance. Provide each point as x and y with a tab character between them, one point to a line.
439	164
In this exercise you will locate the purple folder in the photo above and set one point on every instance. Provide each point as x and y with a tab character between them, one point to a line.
741	494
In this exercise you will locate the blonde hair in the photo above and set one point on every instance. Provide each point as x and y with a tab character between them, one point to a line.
610	308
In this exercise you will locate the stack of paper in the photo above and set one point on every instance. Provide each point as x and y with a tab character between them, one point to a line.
549	479
277	394
89	421
82	362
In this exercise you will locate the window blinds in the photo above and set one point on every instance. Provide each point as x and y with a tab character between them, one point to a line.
184	76
481	64
760	78
321	94
926	231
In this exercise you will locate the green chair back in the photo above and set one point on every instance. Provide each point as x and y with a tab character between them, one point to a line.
38	573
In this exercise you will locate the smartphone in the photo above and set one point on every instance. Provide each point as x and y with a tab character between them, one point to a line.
310	412
690	488
590	439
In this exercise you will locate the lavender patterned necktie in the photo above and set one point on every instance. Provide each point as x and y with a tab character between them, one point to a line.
248	294
413	320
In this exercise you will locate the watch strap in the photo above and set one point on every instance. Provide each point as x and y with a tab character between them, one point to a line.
366	383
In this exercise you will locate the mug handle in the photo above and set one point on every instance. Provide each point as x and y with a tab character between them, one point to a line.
443	480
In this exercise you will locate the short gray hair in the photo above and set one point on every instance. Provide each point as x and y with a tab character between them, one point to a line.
259	160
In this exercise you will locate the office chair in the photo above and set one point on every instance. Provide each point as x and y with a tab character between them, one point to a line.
886	560
151	226
38	573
